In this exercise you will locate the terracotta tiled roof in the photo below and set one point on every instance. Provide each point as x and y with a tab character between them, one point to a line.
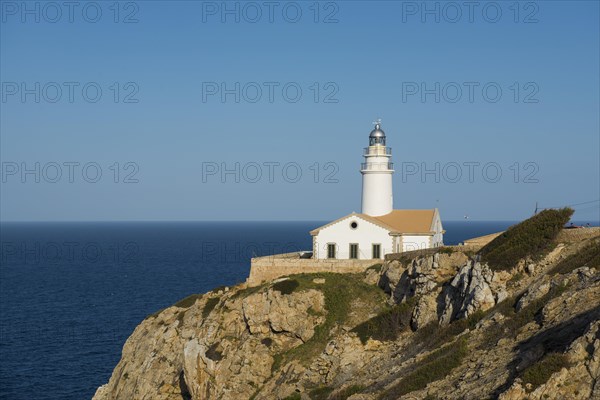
409	221
398	221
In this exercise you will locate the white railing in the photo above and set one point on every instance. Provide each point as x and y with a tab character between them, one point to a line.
380	166
377	151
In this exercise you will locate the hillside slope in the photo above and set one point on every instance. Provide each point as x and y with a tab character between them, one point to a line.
433	326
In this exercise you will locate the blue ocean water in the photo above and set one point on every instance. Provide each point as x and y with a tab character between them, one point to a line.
71	293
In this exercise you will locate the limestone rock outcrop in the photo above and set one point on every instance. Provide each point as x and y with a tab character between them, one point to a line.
468	292
448	286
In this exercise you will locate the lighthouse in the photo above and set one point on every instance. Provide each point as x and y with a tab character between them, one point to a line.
379	229
377	170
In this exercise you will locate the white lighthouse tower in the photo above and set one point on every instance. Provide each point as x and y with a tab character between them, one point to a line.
377	173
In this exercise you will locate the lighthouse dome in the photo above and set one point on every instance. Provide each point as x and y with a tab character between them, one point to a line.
377	132
377	136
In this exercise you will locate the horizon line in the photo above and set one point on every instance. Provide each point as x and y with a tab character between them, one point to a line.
230	220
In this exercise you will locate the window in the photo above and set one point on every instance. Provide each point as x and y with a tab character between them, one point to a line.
354	225
376	251
354	250
331	250
375	140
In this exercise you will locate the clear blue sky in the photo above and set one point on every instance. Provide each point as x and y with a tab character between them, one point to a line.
371	58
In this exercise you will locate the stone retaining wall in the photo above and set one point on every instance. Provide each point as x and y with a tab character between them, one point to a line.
267	268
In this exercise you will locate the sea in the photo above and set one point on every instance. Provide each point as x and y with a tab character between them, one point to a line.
72	292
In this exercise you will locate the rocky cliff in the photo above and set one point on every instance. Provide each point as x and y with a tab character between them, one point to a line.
446	325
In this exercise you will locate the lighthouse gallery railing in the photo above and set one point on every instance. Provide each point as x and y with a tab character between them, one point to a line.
380	166
377	151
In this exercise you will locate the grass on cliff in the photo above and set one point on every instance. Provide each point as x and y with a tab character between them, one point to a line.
248	291
287	286
446	250
532	238
210	305
588	256
188	301
538	373
339	290
433	367
515	320
388	324
320	393
375	267
183	303
347	392
325	392
434	335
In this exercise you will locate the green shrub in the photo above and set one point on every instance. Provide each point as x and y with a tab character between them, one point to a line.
347	392
516	277
588	256
528	313
320	393
311	311
188	301
210	304
155	314
539	373
180	316
433	335
248	291
469	253
516	320
434	367
506	307
294	396
375	267
387	325
533	238
446	250
474	318
277	360
287	286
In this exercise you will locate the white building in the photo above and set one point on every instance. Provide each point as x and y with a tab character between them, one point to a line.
379	229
